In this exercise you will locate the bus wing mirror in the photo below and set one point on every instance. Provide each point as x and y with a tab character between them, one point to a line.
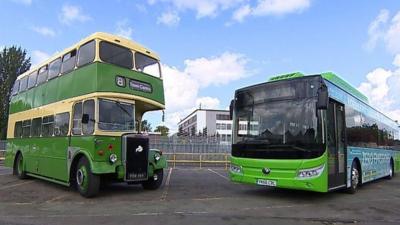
323	97
85	118
231	109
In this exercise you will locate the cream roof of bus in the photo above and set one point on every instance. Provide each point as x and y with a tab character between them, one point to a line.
102	36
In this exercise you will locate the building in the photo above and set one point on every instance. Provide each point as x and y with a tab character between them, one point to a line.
207	122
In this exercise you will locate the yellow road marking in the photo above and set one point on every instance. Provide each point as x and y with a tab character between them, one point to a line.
165	193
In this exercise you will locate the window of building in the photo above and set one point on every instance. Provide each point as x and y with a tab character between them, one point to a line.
77	119
18	130
32	80
86	53
146	64
222	117
115	54
15	88
26	128
61	124
48	126
36	127
88	108
68	62
42	75
54	68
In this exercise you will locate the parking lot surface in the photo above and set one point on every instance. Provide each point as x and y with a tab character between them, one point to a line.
195	196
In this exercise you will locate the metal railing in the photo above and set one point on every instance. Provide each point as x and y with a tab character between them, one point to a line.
2	149
198	159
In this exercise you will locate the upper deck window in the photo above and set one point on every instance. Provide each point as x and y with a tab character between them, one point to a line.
15	88
54	68
23	84
42	76
68	61
146	64
115	54
32	80
86	53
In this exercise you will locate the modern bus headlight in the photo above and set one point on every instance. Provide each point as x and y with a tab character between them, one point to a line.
113	158
311	173
236	169
157	156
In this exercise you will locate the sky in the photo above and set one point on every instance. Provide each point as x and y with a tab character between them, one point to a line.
210	48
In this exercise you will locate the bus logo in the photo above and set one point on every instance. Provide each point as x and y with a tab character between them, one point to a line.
266	171
139	149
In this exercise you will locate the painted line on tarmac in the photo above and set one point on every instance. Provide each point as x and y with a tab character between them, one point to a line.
165	193
215	172
57	198
4	174
15	185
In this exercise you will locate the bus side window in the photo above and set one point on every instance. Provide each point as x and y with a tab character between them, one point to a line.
88	108
23	84
68	62
77	119
48	126
32	80
54	68
86	53
15	88
18	130
26	128
42	76
36	127
61	124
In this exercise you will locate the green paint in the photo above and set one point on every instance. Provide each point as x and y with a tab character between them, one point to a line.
95	77
286	76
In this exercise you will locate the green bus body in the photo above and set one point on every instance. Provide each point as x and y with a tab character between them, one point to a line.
372	162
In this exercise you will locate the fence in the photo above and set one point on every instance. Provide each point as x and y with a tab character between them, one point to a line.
2	149
198	159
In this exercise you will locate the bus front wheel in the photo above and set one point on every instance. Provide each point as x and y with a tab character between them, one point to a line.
355	178
391	170
19	167
87	183
154	182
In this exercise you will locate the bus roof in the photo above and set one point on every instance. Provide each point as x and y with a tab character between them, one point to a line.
98	35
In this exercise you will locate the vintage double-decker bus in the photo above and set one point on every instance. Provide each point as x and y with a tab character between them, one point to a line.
75	119
314	133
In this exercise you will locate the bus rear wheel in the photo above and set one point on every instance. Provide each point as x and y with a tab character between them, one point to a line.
87	183
355	178
391	170
154	182
18	169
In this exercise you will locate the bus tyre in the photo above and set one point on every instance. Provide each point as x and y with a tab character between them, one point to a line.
354	179
391	170
19	167
87	183
154	182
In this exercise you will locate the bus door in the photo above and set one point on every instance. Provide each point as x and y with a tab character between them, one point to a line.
336	145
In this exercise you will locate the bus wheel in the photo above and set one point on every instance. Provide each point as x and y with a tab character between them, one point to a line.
154	182
87	183
391	170
19	167
355	178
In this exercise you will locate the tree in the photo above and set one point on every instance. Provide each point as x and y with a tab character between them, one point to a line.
163	130
13	62
146	126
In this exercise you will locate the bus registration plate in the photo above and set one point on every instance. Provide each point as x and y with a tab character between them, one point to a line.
270	183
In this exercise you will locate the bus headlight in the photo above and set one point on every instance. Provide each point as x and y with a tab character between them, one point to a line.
157	156
113	158
236	169
311	173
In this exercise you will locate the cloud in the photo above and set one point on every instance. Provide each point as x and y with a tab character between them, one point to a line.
45	31
24	2
170	18
396	60
182	87
385	29
123	29
241	13
382	88
72	13
39	57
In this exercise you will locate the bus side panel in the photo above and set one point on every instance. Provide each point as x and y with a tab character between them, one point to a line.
397	161
375	163
24	146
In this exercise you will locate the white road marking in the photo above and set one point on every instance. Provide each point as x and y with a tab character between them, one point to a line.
15	185
215	172
4	174
165	193
57	198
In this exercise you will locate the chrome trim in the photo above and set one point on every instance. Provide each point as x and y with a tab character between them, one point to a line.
338	187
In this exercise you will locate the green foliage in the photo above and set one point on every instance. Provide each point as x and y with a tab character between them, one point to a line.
146	126
13	62
163	130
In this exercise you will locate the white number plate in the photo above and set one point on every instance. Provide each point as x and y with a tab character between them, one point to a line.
270	183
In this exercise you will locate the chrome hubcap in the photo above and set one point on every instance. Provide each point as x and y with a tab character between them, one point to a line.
354	177
155	177
391	171
79	177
